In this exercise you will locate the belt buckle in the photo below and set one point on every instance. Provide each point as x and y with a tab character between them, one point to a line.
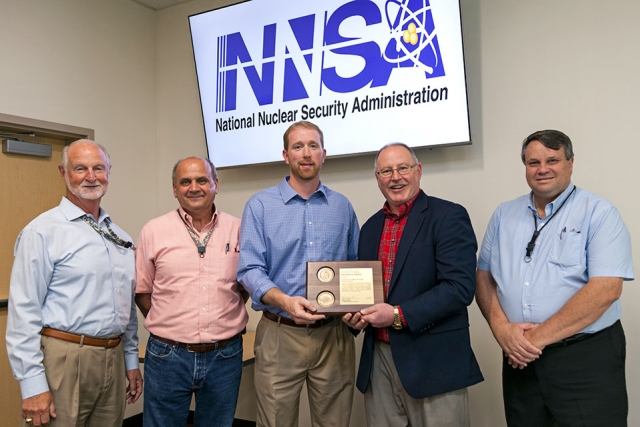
106	343
199	346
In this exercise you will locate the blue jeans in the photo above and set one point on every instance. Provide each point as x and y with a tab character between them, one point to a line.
172	375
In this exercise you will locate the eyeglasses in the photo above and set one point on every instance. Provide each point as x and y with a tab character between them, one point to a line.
402	170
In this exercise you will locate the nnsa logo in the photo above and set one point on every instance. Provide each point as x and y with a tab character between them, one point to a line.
304	55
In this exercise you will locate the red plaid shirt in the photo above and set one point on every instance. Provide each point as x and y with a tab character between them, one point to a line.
391	234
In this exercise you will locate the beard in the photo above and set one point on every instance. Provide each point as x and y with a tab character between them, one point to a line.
86	193
306	174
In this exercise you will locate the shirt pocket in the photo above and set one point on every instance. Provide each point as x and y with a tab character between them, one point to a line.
225	264
568	250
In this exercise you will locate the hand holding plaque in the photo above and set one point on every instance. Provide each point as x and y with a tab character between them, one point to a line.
339	287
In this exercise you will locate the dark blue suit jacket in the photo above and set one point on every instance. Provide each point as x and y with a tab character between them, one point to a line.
433	282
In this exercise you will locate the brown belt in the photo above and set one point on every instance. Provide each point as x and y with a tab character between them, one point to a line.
289	322
201	347
81	339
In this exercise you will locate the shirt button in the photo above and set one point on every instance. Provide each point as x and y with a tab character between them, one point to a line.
526	306
311	243
204	267
531	264
204	308
526	283
309	222
204	287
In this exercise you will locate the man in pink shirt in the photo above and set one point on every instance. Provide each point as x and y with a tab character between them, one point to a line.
186	265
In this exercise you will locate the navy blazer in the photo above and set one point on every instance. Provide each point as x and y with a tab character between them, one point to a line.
433	282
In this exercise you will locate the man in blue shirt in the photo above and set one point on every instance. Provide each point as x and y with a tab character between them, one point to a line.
282	228
549	279
72	327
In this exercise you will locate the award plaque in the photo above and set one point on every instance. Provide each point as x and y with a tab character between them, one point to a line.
339	287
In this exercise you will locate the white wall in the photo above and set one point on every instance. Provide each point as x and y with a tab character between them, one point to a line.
89	63
128	73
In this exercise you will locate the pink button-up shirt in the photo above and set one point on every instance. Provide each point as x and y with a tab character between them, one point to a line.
193	299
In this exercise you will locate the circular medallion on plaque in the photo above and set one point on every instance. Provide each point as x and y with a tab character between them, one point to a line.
326	274
325	299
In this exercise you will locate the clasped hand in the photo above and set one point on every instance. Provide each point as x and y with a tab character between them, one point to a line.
514	344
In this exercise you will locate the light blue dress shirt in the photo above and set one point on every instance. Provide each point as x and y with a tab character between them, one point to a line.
66	276
281	231
587	238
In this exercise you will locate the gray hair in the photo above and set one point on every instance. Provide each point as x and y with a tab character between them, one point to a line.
64	160
214	172
391	144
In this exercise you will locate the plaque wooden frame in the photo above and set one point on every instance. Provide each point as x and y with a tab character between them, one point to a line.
318	289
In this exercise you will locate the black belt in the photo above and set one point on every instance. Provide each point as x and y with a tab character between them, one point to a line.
578	337
200	347
570	340
289	322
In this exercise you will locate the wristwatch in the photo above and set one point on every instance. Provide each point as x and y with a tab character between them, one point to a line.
397	323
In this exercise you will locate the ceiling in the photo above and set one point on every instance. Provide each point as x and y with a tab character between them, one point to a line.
159	4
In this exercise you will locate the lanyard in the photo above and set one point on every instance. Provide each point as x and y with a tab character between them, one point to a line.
202	247
532	243
109	234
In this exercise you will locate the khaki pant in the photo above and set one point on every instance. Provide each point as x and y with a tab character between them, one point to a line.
387	404
287	356
88	383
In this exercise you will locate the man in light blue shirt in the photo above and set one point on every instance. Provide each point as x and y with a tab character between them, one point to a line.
549	279
72	326
282	228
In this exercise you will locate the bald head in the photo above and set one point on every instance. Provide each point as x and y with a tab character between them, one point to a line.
64	161
212	168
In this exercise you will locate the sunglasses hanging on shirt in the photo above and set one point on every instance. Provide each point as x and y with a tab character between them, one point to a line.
109	234
532	243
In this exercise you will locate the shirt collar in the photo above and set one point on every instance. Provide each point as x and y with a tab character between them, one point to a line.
72	211
289	193
403	209
552	206
189	219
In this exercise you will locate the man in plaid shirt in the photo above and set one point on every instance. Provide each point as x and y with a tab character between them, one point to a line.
417	361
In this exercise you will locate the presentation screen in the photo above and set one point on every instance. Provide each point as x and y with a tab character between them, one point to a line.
367	72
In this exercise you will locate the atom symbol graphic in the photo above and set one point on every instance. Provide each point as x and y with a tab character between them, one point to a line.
410	31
